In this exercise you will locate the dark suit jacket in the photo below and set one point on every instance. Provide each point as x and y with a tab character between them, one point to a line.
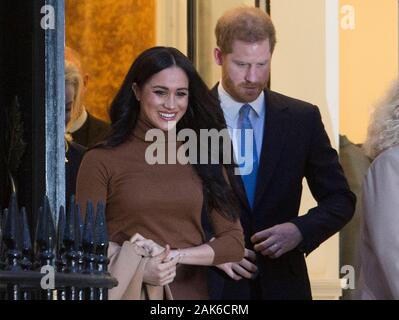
93	131
295	146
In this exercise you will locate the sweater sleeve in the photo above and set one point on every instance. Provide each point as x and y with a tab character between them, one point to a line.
228	244
92	180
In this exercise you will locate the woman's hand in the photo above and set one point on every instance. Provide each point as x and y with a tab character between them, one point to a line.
152	248
173	254
158	271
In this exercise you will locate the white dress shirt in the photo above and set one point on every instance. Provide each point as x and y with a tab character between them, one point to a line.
231	110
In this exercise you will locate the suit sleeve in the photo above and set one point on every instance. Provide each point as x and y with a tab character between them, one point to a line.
335	202
92	180
381	215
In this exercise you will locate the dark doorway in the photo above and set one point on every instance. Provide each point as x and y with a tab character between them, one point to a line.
22	84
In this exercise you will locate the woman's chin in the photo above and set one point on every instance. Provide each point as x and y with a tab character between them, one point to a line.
167	125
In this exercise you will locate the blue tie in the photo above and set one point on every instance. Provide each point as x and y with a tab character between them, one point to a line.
249	180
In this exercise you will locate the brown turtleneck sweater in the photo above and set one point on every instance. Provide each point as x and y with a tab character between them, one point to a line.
161	202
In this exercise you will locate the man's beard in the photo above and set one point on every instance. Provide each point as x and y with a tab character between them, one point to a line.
238	92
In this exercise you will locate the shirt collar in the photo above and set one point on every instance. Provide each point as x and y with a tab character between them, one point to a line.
78	123
231	108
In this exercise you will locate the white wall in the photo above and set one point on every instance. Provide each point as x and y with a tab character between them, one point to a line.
209	12
171	24
305	66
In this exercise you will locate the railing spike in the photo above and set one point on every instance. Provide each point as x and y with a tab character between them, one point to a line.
16	252
61	258
78	245
89	257
101	241
88	230
45	242
27	250
60	230
70	243
12	240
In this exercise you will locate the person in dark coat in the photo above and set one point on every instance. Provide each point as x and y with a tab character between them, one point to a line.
289	144
84	128
73	151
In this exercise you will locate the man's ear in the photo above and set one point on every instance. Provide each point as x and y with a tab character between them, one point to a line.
217	54
136	91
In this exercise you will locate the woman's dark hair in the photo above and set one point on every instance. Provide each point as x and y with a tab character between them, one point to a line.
203	112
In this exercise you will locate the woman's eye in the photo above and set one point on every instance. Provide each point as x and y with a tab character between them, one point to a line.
182	94
160	93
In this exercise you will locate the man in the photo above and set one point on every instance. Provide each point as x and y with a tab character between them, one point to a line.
84	128
73	151
290	144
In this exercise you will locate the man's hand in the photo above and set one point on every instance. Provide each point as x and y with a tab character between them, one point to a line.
246	268
277	240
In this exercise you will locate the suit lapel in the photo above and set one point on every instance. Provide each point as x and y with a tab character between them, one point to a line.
274	136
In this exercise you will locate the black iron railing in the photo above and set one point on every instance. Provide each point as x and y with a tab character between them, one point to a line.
69	263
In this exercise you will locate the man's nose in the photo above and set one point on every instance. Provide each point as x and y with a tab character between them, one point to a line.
251	74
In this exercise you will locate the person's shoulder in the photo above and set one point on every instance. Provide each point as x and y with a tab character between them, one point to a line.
97	121
288	101
293	104
97	155
386	163
77	147
390	155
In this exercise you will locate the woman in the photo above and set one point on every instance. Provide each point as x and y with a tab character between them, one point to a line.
163	202
380	228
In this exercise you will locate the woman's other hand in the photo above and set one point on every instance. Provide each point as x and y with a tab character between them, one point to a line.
158	271
152	248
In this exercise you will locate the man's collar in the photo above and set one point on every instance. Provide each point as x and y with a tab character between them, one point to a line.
231	107
79	122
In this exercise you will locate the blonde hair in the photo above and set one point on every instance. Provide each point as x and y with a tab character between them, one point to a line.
74	77
246	24
383	130
74	57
